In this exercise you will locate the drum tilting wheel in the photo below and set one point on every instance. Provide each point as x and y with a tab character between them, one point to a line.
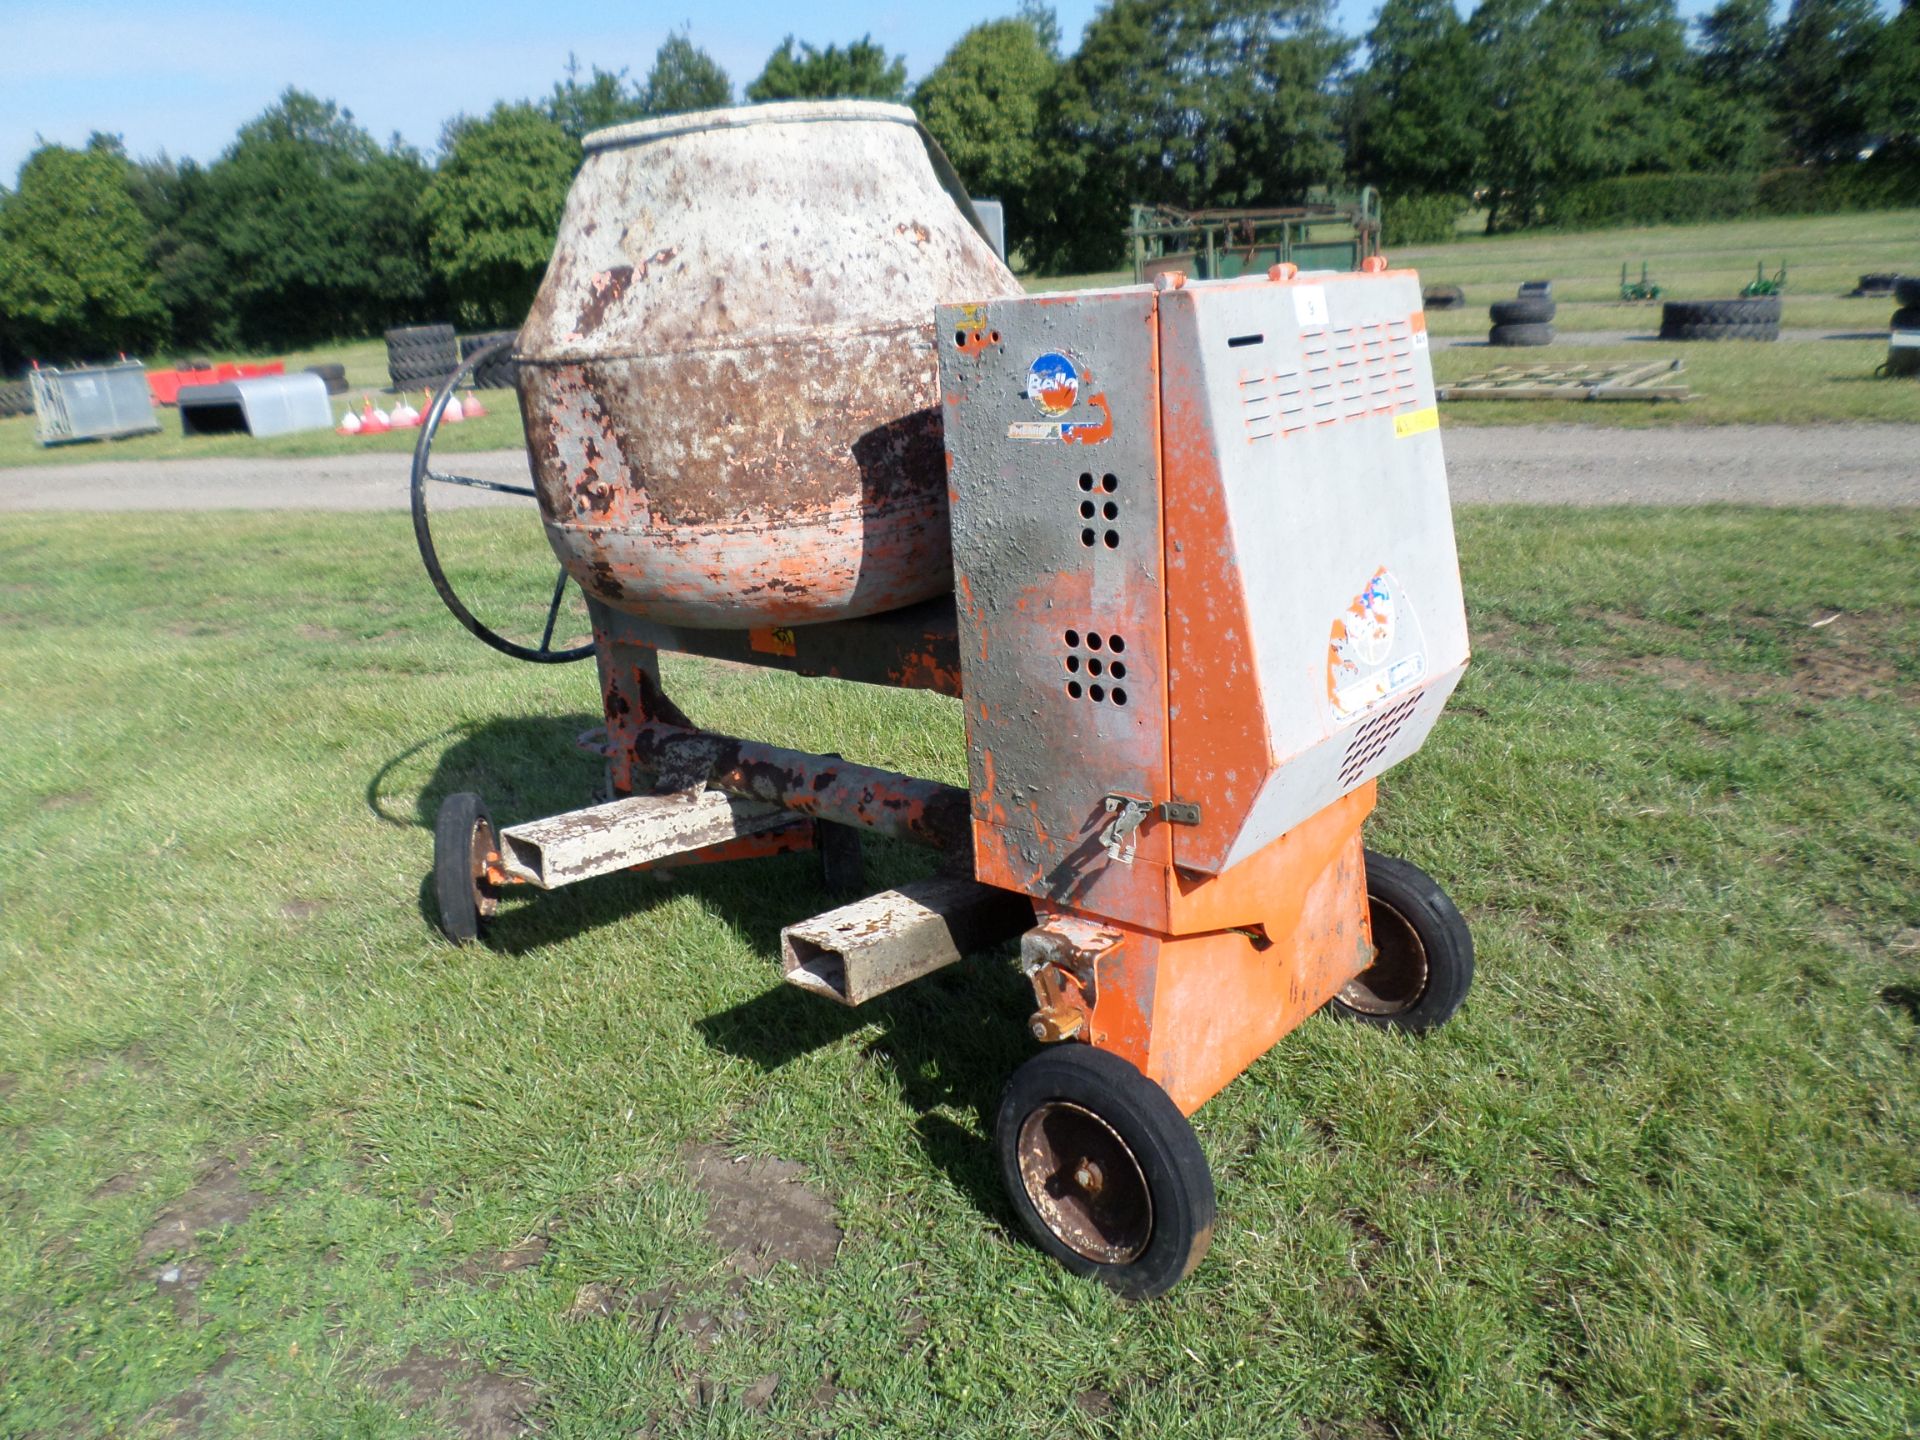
463	840
1104	1171
1423	961
424	474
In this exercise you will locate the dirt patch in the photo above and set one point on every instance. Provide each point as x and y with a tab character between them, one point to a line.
310	631
98	1067
654	1310
181	1415
218	1199
198	630
1094	1404
759	1395
490	1270
304	909
124	1183
762	1212
67	799
1370	1428
477	1404
8	1084
1830	656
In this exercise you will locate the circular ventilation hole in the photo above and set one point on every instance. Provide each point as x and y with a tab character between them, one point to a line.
1073	637
1093	642
1119	697
960	337
1093	667
1086	481
1118	645
1097	693
1073	688
1113	539
1118	670
1109	483
994	337
1073	663
1086	509
1086	537
1110	510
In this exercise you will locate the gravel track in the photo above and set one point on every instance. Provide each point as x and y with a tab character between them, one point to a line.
1495	464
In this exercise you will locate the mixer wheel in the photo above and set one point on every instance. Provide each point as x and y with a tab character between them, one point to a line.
1423	962
463	840
1103	1170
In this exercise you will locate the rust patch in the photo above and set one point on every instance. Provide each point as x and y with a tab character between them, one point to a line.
606	289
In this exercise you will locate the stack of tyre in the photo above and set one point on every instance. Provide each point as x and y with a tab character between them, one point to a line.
1524	320
421	355
16	398
333	374
497	371
1903	348
1757	317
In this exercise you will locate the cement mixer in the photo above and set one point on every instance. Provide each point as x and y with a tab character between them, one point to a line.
1183	552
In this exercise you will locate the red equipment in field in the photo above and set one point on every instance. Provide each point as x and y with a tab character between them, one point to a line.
1183	552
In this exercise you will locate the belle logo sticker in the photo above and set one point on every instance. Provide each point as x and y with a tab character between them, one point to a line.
1374	647
1053	383
1053	387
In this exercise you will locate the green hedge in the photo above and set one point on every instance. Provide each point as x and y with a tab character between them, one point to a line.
1420	219
1679	199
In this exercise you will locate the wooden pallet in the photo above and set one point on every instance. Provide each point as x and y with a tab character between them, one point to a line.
1649	380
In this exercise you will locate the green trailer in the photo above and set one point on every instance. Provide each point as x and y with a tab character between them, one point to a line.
1330	230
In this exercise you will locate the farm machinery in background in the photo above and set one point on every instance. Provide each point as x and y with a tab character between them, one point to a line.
1182	552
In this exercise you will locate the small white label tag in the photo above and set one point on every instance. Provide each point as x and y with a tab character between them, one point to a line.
1310	304
1906	340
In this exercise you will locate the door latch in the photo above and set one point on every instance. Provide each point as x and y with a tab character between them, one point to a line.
1130	812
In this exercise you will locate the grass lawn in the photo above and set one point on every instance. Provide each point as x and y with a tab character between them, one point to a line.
1733	383
1825	257
274	1160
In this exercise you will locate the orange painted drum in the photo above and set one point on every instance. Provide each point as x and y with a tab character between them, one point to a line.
729	377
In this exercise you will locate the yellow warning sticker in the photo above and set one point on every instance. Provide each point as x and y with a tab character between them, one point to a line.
1416	421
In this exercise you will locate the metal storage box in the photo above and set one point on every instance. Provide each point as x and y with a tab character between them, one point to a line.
91	403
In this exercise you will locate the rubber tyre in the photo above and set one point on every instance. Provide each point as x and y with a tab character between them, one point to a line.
1520	335
16	398
1443	297
1749	310
499	372
462	832
1906	289
1179	1185
1907	317
1528	311
1405	905
336	383
421	354
1760	331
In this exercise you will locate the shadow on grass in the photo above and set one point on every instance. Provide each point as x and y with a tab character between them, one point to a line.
950	1039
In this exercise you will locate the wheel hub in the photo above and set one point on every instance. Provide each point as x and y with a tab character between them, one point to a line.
481	850
1397	978
1085	1183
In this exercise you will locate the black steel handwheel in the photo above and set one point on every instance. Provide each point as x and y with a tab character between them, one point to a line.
1104	1171
463	838
423	472
1423	952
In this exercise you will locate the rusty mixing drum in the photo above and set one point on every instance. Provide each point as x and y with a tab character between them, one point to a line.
729	378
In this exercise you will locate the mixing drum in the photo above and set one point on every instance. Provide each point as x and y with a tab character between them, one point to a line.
729	379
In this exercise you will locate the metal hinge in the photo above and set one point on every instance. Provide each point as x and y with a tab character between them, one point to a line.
1130	812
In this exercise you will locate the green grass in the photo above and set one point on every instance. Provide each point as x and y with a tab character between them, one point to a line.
1825	257
1733	383
1658	1178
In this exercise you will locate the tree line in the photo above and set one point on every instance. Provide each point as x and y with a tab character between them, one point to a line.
306	228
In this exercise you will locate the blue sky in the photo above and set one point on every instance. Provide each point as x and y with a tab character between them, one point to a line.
183	77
